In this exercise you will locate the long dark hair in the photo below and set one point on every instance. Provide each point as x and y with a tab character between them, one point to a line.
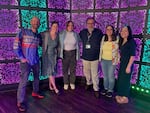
129	37
114	38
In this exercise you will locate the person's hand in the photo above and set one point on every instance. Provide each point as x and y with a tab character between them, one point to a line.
24	60
128	70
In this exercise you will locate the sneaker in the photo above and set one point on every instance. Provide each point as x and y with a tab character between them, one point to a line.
96	94
72	86
21	107
66	86
109	94
37	95
103	92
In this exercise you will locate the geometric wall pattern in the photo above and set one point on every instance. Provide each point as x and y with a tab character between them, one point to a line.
8	2
80	20
106	4
104	19
133	3
82	4
59	4
135	19
61	18
112	12
9	21
146	53
144	79
6	48
33	3
27	15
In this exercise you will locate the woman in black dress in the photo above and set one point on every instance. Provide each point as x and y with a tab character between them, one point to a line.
127	51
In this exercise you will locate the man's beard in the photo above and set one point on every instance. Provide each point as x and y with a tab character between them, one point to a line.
90	29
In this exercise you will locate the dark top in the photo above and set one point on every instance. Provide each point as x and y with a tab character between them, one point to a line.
126	51
91	53
123	84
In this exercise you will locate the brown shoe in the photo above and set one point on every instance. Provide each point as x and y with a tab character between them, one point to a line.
96	94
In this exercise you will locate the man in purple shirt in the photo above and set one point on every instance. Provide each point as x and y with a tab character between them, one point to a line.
26	48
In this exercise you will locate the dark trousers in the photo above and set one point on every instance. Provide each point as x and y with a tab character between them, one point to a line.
25	70
69	65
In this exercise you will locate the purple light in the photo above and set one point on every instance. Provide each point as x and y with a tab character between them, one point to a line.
60	18
80	20
9	21
6	48
138	48
82	4
135	74
59	68
59	4
102	20
133	3
8	2
10	73
107	4
135	19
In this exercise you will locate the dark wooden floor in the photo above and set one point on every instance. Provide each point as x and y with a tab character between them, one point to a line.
78	101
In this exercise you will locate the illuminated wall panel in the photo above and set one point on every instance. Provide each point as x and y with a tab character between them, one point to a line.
60	18
8	2
138	48
135	19
33	3
9	21
133	3
146	53
59	4
148	23
80	20
27	15
82	4
102	20
135	74
9	73
107	4
144	79
6	48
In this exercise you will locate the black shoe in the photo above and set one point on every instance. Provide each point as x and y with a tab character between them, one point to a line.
87	87
96	94
103	92
21	107
109	94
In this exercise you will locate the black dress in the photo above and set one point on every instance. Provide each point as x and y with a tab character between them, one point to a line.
123	84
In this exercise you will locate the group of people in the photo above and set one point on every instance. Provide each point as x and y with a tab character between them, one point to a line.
108	49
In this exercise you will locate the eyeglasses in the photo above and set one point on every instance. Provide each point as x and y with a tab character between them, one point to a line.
109	29
70	25
90	23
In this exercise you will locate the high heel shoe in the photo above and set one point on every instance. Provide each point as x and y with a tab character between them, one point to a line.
57	92
51	89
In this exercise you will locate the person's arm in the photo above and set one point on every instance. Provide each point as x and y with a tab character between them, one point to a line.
80	35
41	39
18	48
132	55
131	61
